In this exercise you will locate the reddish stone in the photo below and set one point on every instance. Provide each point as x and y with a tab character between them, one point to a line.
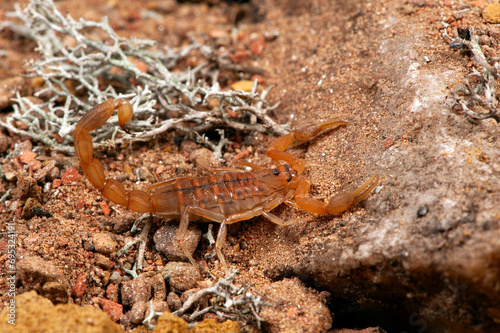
241	155
80	286
258	77
113	309
141	66
105	208
160	170
257	45
112	292
70	175
58	138
27	157
79	204
36	165
239	56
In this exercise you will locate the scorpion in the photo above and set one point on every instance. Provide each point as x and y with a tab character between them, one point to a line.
227	195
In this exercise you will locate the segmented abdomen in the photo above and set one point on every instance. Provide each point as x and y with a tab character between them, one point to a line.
226	193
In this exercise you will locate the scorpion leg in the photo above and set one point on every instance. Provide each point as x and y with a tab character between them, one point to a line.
221	239
277	149
184	223
339	203
275	219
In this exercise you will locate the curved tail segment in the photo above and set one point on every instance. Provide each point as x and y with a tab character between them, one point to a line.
112	189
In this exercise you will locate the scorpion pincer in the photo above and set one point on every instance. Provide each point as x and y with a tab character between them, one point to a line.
225	197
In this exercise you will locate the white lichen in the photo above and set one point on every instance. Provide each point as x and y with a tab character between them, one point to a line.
74	65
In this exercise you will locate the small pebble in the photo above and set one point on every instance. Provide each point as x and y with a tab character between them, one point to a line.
105	208
80	285
27	187
243	85
174	302
23	146
112	292
204	154
33	272
136	314
166	243
115	277
257	44
123	225
104	243
27	157
422	211
181	276
5	142
55	292
28	209
9	172
103	261
46	170
56	183
159	287
158	307
113	309
136	290
70	176
389	142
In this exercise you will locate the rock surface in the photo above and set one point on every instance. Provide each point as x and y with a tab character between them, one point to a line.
294	308
166	242
34	272
181	276
38	315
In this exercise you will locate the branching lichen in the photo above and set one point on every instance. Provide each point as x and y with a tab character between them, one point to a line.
480	100
75	66
232	302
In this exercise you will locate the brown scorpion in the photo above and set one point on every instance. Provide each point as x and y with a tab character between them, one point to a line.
225	197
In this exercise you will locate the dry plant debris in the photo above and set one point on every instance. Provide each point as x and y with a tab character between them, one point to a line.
85	62
480	87
232	302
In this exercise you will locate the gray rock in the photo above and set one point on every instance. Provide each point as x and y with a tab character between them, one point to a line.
104	243
136	314
174	301
181	276
35	272
166	242
56	292
136	290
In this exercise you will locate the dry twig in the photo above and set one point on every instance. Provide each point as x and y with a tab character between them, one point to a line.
233	302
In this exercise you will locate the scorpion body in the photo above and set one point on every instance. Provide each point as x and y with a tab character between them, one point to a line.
227	197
